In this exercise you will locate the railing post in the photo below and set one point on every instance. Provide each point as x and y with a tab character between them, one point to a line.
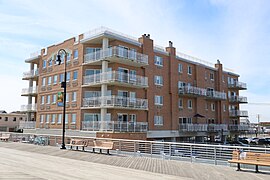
215	155
151	148
190	153
170	150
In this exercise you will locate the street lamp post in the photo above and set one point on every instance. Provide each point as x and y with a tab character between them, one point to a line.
63	85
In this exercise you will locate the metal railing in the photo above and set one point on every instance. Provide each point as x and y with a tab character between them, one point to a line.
191	90
29	107
27	125
237	84
114	126
212	127
196	153
31	74
116	51
238	113
216	95
31	90
238	99
115	76
116	101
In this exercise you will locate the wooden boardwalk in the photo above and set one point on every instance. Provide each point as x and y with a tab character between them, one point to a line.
160	167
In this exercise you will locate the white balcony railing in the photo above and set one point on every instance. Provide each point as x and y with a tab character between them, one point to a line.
193	127
216	95
30	74
115	76
238	113
217	127
116	102
238	99
119	52
191	90
29	107
31	90
237	84
115	126
27	125
235	127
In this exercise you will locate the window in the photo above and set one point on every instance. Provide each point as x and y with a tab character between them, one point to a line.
159	80
132	76
42	99
180	103
59	119
212	76
73	118
49	80
48	99
67	97
68	56
189	70
48	118
54	99
158	120
205	75
66	118
89	94
14	118
213	106
132	117
206	106
159	100
68	76
180	68
158	61
44	64
6	118
55	79
185	120
75	75
44	81
75	54
50	62
61	77
189	104
74	96
224	107
53	118
41	118
91	117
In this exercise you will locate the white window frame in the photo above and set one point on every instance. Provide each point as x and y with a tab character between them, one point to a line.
180	103
48	99
55	78
158	100
41	118
159	80
158	121
74	96
212	78
189	70
43	81
132	118
180	68
49	80
75	50
53	118
213	107
42	99
48	116
158	61
59	119
189	104
73	118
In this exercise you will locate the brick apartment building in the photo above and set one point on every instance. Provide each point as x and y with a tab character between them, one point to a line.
122	87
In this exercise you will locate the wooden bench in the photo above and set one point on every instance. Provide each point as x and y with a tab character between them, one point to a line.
5	137
77	143
101	144
252	158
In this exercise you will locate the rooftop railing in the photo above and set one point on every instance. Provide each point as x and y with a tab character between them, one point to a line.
116	102
115	76
116	51
114	126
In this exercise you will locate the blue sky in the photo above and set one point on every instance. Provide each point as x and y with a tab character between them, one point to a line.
235	31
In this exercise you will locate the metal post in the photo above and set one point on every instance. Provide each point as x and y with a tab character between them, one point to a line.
215	155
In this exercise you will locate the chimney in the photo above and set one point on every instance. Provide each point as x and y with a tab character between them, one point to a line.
170	44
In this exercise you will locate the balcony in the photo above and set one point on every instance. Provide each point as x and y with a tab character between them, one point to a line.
29	108
115	102
115	78
217	127
116	55
216	95
237	85
191	91
193	127
32	91
115	126
237	113
237	99
27	125
33	74
235	127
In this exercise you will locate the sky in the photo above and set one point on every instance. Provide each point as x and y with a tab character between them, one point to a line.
237	32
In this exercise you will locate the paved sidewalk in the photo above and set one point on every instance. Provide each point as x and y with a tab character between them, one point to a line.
27	161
